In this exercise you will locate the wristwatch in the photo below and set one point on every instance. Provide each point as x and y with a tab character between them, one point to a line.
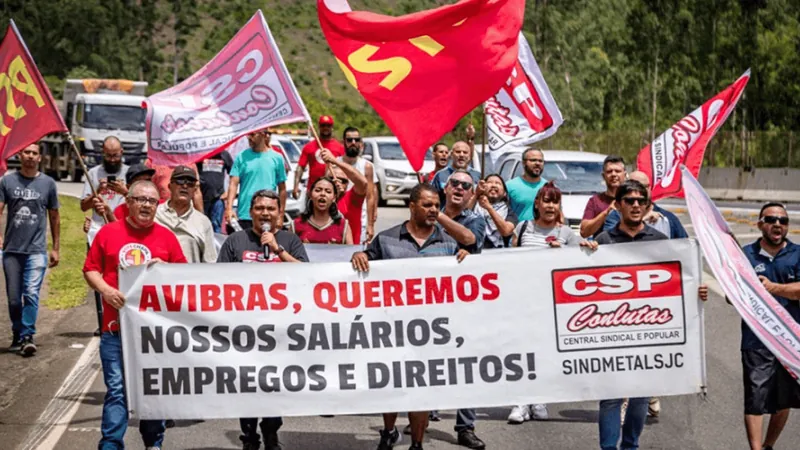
280	250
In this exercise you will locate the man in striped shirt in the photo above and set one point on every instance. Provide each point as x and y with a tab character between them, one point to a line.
418	237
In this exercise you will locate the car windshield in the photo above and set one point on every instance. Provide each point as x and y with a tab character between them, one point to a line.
393	152
576	177
291	150
114	117
301	142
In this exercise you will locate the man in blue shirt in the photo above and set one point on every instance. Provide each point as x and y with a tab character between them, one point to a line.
459	160
522	190
768	387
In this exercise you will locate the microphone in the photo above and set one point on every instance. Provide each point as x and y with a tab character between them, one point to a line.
266	228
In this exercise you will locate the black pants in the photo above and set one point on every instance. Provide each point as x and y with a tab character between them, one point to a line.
250	433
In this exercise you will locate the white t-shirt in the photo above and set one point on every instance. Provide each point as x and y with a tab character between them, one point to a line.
111	198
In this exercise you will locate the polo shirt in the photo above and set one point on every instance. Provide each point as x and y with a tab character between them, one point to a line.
398	243
784	268
475	223
673	226
617	236
439	180
193	230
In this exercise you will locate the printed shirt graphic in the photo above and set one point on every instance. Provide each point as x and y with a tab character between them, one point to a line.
118	245
28	200
245	247
111	198
311	157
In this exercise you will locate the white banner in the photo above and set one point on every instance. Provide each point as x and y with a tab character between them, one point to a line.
233	340
523	111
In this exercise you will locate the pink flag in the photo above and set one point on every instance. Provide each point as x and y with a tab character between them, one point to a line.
685	143
523	111
245	88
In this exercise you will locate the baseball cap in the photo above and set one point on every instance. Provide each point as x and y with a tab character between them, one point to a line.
183	172
325	120
136	170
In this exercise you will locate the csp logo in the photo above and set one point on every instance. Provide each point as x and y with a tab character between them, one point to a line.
133	255
761	268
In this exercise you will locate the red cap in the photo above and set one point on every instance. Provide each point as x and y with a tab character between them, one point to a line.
325	120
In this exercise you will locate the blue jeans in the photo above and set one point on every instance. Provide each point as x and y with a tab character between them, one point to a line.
465	420
609	420
214	211
24	276
115	407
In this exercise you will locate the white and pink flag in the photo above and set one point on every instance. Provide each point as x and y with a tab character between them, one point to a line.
523	111
246	87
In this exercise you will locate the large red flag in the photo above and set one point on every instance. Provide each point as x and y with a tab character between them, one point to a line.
685	143
424	71
28	111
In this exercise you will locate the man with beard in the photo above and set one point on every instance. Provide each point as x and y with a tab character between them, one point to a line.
418	237
353	146
191	227
633	202
768	387
312	157
601	204
134	241
440	156
522	190
350	201
32	199
259	167
460	157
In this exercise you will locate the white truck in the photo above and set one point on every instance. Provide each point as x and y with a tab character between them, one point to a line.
94	109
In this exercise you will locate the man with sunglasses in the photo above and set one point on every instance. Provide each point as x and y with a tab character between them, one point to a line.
353	146
312	157
768	386
632	201
460	156
193	229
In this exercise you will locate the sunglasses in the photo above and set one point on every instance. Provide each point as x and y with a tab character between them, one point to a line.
466	185
630	201
184	182
353	139
775	219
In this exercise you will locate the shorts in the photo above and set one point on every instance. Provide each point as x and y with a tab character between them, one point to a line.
768	386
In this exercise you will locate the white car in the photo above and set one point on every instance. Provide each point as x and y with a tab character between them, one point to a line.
396	177
579	175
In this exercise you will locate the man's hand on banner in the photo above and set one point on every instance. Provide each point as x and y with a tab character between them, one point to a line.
360	262
114	298
155	261
461	255
591	245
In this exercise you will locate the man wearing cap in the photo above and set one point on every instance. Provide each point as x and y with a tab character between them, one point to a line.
191	227
311	156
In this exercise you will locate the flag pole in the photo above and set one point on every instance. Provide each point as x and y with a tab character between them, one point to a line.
319	144
483	142
83	167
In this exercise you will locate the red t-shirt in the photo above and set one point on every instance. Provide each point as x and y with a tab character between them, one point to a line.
310	157
332	234
119	245
350	205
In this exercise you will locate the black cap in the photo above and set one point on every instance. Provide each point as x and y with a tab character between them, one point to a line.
183	172
136	170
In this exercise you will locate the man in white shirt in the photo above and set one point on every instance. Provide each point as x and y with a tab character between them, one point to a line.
353	147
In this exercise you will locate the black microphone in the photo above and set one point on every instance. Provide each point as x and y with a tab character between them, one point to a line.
266	228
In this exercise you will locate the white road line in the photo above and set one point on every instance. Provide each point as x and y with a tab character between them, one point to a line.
55	419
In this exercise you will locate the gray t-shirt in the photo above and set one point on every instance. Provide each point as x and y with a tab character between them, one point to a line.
28	200
531	235
111	198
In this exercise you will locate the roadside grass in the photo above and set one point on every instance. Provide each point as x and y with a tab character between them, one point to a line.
67	289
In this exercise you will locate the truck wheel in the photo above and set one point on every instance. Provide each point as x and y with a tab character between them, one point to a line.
77	175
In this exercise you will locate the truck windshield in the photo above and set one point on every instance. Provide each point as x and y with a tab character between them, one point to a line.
114	117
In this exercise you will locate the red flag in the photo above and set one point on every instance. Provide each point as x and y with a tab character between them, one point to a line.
28	110
246	87
685	143
424	71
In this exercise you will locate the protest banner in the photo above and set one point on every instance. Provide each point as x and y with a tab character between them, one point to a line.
245	88
523	111
230	340
770	321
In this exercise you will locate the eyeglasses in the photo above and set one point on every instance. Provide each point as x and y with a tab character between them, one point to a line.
145	201
353	139
630	201
184	182
466	185
775	219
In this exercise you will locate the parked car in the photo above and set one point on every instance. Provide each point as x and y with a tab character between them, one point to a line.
396	177
579	175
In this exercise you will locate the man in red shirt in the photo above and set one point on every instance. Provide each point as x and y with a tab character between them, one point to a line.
118	245
350	202
312	158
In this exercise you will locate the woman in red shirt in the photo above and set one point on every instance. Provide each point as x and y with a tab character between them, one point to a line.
321	222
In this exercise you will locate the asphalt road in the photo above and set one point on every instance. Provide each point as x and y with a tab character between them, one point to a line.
712	421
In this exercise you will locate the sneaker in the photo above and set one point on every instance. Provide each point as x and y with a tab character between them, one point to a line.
622	411
434	416
16	345
539	411
415	446
519	414
28	347
654	409
389	439
467	438
271	441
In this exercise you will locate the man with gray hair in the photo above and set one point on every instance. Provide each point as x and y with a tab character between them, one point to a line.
460	156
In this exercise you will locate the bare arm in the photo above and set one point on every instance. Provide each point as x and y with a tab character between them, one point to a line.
504	227
787	290
298	176
459	232
55	231
372	201
282	195
591	226
233	187
197	201
359	181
